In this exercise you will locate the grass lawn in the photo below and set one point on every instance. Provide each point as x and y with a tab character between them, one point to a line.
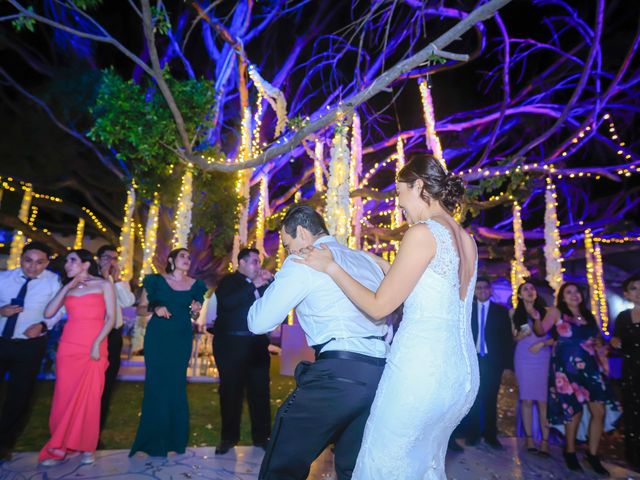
204	407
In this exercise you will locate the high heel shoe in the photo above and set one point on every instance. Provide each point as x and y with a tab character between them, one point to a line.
88	458
544	449
572	461
531	447
594	461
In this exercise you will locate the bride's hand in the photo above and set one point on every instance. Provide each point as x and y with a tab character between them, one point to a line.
319	259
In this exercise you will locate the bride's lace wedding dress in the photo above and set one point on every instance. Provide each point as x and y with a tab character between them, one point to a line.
431	377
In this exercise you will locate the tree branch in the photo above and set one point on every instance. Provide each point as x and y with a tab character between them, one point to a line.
347	106
147	23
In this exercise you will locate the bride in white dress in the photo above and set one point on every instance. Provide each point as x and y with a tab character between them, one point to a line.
431	377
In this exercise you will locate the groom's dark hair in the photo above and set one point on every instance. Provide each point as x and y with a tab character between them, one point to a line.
306	217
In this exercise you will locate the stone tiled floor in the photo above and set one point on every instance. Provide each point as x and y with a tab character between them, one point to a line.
243	463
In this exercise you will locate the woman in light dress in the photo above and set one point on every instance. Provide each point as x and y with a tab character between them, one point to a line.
531	362
431	377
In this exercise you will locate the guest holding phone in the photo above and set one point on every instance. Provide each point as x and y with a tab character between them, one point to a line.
531	362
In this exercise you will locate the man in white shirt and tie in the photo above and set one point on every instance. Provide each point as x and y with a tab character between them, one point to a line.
109	269
333	395
24	294
492	334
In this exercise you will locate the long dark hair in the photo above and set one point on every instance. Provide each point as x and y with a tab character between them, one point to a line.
564	308
173	254
84	256
520	315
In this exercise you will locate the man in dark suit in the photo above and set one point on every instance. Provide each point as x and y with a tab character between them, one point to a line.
242	358
494	343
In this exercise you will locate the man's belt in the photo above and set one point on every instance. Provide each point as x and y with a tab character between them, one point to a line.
318	347
344	355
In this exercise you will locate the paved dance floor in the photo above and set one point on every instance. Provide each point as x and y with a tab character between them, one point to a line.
243	463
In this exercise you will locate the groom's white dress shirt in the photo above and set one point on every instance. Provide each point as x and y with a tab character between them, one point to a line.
324	311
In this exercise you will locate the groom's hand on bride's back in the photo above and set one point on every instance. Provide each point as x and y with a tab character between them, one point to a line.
381	262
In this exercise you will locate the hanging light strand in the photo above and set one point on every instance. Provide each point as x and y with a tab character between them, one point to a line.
182	219
317	166
19	238
552	255
150	238
589	257
433	142
337	209
518	270
603	309
127	236
355	170
77	244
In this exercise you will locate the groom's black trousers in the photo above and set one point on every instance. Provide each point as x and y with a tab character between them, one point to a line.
329	405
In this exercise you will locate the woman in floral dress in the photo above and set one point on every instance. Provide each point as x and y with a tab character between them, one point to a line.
576	375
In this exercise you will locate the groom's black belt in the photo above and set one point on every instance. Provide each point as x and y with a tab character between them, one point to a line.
318	347
344	355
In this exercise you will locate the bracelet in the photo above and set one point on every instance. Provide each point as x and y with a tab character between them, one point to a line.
45	327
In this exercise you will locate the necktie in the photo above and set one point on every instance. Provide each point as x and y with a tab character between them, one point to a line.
10	326
483	348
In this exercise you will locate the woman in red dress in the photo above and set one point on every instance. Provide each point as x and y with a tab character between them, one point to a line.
81	360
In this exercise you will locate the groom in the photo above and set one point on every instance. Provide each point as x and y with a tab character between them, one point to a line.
333	395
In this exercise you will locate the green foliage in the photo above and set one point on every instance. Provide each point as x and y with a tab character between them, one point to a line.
160	19
24	21
87	4
136	122
516	184
298	122
215	208
436	60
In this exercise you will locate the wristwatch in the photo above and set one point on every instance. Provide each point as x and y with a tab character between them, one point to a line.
45	327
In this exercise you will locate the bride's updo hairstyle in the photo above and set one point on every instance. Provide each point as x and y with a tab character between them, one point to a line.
438	184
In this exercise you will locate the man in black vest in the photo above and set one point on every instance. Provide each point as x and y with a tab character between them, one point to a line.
242	358
492	335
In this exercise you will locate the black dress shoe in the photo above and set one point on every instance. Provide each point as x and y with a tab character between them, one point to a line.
594	461
224	447
471	441
494	443
572	461
454	446
262	445
5	454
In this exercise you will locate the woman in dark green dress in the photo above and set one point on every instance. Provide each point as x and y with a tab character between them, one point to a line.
174	299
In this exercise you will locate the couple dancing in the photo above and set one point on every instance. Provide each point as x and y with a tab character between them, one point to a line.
341	298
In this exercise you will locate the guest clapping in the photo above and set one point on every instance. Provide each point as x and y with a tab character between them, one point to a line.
81	360
576	378
175	300
109	270
626	336
531	362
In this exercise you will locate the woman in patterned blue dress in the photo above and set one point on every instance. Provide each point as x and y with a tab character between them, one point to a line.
576	374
